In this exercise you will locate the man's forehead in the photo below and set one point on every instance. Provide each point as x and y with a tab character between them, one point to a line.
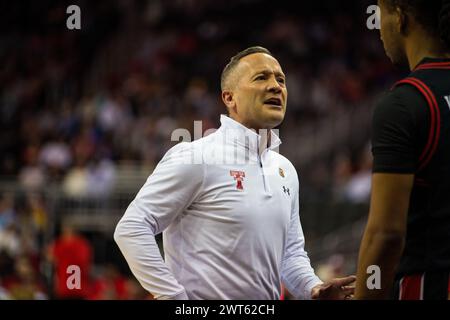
260	62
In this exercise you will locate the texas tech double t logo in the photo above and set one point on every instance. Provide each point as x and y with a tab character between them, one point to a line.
239	177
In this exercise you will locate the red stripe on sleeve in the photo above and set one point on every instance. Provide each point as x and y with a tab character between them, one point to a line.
433	118
438	122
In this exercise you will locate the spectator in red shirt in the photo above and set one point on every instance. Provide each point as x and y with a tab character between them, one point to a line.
71	249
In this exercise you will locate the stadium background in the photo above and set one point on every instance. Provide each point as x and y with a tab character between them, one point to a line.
86	114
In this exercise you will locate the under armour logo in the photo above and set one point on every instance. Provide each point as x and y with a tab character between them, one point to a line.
238	176
286	190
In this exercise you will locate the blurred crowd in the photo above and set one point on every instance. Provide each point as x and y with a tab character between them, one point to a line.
33	268
60	126
56	129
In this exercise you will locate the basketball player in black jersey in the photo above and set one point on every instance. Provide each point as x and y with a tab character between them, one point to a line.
408	230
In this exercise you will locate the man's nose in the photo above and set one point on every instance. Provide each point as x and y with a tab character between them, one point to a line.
274	85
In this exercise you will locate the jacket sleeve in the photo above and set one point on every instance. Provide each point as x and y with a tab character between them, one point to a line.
174	184
296	272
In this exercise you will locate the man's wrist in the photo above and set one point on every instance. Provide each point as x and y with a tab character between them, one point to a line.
315	286
315	290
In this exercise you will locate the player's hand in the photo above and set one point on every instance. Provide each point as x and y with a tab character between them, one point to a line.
335	289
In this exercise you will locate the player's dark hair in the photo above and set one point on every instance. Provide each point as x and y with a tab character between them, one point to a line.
433	15
235	60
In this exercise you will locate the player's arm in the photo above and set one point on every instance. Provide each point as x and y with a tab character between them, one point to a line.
395	140
168	191
384	237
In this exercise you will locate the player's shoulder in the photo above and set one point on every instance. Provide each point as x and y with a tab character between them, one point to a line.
407	88
403	99
401	94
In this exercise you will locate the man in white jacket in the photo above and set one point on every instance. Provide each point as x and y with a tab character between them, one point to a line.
227	204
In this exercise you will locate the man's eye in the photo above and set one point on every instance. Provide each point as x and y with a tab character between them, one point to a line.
260	77
281	80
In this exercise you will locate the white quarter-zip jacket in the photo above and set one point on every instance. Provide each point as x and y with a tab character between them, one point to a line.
228	207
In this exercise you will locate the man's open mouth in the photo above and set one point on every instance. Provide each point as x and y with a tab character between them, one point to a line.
273	101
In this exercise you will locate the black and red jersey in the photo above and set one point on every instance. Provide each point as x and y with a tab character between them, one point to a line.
411	134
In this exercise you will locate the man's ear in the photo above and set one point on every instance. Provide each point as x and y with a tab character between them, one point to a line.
228	99
402	21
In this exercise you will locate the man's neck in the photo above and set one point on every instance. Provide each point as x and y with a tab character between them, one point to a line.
426	49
